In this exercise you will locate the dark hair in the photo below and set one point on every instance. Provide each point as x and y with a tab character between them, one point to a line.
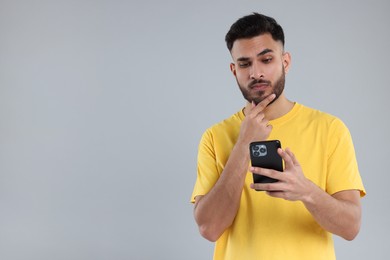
251	26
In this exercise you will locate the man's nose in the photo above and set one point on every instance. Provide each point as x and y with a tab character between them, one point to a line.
256	71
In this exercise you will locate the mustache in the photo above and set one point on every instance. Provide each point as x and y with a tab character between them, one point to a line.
259	81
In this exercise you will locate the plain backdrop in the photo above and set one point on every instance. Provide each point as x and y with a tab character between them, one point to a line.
102	105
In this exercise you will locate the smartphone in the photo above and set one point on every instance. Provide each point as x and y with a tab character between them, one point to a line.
264	154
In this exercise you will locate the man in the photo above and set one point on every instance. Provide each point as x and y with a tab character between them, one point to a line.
317	194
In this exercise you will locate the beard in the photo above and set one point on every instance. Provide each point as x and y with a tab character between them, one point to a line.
259	96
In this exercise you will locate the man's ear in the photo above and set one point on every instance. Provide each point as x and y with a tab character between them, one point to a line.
233	68
286	61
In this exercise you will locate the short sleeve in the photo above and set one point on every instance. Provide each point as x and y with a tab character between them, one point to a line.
207	172
343	172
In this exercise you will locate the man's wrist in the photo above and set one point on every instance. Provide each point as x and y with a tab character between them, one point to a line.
309	197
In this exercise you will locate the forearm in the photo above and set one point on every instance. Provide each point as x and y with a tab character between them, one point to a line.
339	214
216	210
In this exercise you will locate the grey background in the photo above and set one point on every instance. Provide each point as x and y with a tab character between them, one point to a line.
102	104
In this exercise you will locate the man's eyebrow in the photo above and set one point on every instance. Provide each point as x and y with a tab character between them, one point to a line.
243	59
265	51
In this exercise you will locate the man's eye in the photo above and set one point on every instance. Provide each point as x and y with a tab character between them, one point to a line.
267	60
244	65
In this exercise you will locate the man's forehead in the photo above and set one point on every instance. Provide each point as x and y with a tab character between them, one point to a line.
258	45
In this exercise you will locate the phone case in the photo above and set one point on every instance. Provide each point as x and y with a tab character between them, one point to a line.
264	154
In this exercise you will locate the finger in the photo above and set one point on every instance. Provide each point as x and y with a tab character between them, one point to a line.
292	155
267	172
288	162
250	107
276	194
269	187
263	104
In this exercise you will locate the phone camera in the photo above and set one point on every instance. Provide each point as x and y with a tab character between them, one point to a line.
259	150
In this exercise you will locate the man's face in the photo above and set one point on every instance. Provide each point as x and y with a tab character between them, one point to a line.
259	66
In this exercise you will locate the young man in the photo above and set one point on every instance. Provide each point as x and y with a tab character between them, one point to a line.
317	194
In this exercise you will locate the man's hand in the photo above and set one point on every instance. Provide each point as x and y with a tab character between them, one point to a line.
339	213
292	184
255	126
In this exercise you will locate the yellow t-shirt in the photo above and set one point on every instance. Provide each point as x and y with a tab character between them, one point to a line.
270	228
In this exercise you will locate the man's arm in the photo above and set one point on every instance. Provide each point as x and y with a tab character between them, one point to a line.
339	213
215	211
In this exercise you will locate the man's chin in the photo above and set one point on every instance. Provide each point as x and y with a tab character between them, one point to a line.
259	99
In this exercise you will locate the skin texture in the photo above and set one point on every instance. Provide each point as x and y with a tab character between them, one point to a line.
259	65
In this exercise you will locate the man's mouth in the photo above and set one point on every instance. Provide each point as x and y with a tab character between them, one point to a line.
259	84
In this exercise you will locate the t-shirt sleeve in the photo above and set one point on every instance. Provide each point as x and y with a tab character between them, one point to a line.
207	172
343	172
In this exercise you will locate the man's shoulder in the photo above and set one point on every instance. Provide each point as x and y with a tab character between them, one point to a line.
228	123
316	114
321	119
225	129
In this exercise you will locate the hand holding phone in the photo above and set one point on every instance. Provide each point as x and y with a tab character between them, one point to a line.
264	154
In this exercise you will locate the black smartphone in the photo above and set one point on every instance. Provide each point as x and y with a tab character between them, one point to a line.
264	154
